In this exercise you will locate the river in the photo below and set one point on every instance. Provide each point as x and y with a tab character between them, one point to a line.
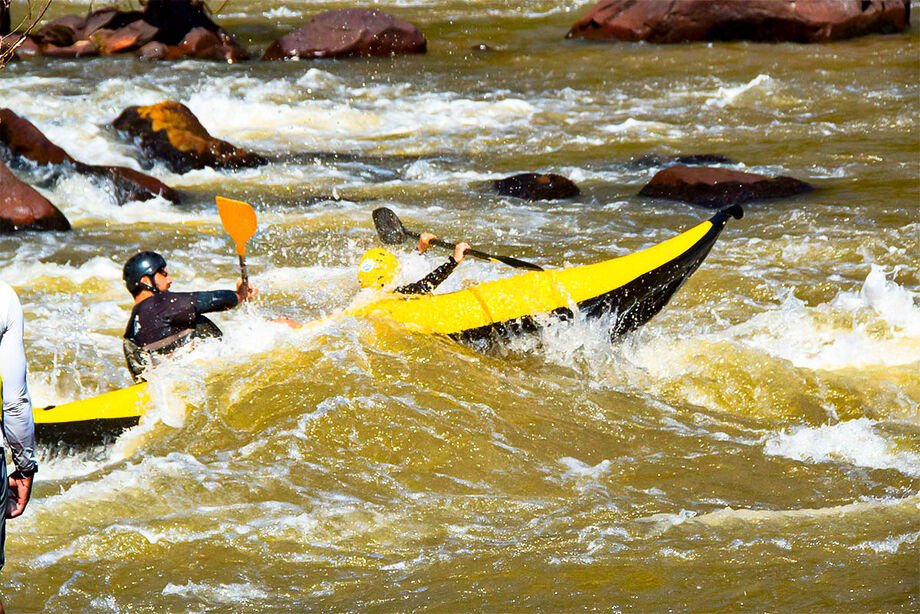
755	446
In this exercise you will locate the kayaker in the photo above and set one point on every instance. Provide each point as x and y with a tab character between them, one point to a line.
18	425
163	321
379	268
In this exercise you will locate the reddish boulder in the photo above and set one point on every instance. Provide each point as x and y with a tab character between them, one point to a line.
128	38
23	139
349	32
61	32
170	132
80	49
166	29
23	208
719	187
804	21
532	186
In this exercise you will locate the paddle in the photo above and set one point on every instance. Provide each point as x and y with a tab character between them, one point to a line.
392	232
239	220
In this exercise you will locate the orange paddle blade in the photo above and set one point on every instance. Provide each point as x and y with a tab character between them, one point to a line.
239	220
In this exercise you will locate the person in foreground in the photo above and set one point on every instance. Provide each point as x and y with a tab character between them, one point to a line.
18	427
163	321
379	268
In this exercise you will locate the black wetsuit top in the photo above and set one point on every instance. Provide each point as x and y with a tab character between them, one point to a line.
430	281
166	321
166	314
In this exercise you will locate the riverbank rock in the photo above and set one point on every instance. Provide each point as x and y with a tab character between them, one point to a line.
534	186
170	132
804	21
23	208
175	29
349	32
23	139
719	187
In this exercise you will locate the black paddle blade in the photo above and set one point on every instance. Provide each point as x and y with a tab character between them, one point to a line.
389	228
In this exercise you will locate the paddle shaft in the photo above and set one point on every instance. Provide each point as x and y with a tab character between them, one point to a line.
482	255
244	273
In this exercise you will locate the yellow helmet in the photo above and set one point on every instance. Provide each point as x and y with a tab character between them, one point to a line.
378	268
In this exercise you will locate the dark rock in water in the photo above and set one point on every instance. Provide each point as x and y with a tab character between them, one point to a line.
80	49
650	160
127	38
23	208
23	139
349	32
183	28
719	187
153	51
804	21
130	184
61	32
170	132
532	186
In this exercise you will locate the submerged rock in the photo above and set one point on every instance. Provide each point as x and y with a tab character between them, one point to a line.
23	139
533	186
804	21
23	208
349	32
719	187
170	132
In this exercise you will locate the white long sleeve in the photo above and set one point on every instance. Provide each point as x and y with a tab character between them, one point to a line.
18	426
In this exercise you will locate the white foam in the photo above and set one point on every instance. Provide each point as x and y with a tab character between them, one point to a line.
855	442
843	333
753	89
229	594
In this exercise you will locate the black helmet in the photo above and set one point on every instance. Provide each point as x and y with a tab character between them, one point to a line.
138	265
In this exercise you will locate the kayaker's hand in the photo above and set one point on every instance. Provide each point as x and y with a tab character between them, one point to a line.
460	251
424	241
288	321
20	491
245	292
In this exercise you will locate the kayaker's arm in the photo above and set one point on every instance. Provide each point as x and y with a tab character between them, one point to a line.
217	300
431	281
18	426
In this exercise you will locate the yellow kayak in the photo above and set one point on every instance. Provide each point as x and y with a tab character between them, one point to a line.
633	287
90	420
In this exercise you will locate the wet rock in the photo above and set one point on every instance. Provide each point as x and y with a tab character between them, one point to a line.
205	44
80	49
23	208
533	186
23	139
182	28
130	184
61	32
719	187
170	132
804	21
349	32
19	44
128	38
